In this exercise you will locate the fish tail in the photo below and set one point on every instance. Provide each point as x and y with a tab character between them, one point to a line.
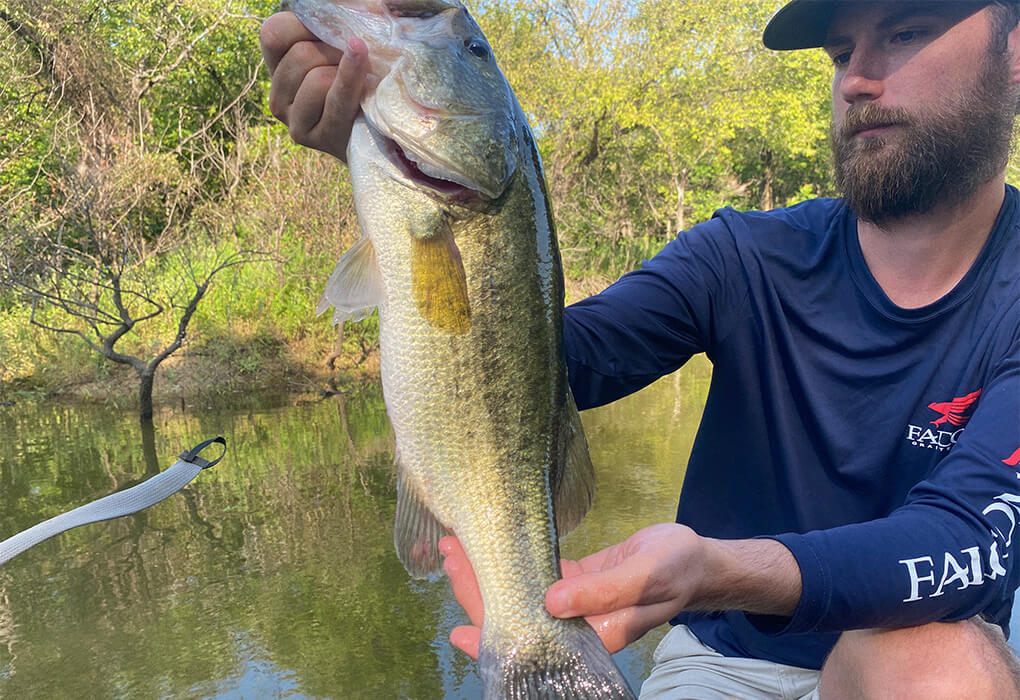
576	667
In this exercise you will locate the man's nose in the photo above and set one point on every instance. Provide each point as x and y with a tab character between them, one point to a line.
862	79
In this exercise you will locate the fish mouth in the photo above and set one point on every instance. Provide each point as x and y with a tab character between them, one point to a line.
447	189
451	188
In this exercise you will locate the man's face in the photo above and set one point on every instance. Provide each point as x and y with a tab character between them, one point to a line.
923	106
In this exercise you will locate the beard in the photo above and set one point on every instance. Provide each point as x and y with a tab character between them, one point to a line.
938	157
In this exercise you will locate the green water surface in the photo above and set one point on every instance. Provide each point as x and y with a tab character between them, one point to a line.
272	574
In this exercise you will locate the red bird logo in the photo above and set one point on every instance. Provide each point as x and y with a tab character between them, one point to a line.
1013	459
952	411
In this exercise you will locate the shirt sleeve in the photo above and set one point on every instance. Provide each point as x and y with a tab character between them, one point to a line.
947	554
654	319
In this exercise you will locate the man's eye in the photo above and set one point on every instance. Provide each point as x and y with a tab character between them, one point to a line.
907	36
841	59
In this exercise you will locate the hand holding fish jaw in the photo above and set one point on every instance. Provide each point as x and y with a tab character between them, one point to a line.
626	589
315	89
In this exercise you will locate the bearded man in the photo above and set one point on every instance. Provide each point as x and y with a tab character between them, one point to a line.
848	516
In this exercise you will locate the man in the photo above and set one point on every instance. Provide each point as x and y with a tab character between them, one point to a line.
852	495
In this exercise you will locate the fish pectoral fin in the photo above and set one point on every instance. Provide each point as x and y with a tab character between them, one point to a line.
417	530
439	283
573	476
355	288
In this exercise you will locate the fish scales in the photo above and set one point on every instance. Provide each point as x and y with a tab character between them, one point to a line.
486	416
458	252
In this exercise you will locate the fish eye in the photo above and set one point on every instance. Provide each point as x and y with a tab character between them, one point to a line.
477	48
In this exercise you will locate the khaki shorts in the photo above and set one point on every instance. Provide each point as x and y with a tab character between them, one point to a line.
686	669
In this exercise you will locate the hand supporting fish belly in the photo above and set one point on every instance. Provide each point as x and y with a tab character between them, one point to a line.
458	252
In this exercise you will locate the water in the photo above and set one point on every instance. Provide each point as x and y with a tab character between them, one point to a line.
272	574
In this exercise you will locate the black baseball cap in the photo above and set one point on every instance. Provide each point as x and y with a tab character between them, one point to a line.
803	24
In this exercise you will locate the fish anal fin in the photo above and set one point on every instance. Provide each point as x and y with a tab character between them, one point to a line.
439	283
417	530
573	477
355	288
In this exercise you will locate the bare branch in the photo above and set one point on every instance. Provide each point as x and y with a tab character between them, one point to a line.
151	78
253	76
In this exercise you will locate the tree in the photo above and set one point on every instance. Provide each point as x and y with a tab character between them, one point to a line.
651	114
123	195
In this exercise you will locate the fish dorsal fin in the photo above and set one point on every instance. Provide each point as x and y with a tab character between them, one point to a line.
573	476
421	9
438	281
355	288
417	530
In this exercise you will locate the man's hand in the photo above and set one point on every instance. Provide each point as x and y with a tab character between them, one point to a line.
629	588
623	591
316	89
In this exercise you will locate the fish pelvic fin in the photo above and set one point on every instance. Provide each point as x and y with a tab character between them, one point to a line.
355	288
417	531
572	478
578	667
439	283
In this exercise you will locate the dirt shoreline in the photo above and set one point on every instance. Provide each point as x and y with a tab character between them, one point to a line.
201	379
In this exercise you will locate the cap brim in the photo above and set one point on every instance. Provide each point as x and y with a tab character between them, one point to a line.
804	24
800	24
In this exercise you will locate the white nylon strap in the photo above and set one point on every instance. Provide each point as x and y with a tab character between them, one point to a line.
132	500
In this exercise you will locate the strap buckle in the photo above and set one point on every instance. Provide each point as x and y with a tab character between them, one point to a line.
192	454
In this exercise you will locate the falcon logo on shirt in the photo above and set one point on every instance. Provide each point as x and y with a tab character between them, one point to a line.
943	432
1013	460
953	411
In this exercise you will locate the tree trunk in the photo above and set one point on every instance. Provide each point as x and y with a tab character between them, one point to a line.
145	379
338	348
680	183
766	191
149	447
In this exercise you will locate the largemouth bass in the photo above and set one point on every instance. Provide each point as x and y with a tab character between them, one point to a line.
459	254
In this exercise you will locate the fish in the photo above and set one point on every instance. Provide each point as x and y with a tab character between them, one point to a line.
458	253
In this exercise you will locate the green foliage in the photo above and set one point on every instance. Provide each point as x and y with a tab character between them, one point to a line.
17	358
652	114
649	116
34	362
121	222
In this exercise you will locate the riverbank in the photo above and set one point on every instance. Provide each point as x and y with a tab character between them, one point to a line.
217	373
213	369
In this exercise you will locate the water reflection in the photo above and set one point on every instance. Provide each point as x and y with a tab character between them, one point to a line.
272	574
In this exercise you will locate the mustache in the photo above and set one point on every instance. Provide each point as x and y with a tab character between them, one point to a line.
869	115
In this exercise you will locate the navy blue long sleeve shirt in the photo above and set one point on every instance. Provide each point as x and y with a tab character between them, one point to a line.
879	444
